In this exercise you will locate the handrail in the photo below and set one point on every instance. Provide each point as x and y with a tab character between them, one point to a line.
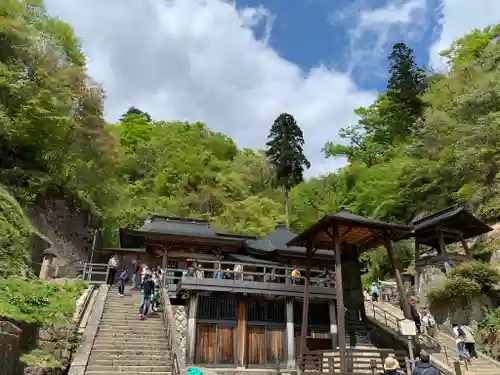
269	273
178	360
423	336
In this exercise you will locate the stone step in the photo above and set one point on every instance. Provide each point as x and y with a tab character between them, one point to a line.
108	372
131	330
146	341
131	335
121	362
158	348
127	354
129	369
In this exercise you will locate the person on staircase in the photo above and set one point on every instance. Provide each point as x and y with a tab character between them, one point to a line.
374	292
112	267
424	367
147	293
121	282
412	302
135	273
470	342
391	366
460	339
429	325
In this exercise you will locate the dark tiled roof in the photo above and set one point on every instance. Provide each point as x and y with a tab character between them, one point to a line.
275	241
249	259
453	217
179	226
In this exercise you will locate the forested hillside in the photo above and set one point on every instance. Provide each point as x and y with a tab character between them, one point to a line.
429	141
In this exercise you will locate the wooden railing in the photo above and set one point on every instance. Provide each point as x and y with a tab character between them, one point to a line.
270	273
178	360
427	342
358	360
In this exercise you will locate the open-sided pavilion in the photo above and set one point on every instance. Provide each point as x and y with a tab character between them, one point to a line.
343	232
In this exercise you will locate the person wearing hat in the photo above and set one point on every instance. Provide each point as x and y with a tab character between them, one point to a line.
424	366
391	366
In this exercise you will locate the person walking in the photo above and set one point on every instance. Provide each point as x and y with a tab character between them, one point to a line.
374	292
121	282
460	339
135	273
470	342
112	267
424	367
415	314
391	366
429	324
148	289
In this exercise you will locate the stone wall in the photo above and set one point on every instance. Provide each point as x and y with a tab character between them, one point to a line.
10	353
17	338
181	318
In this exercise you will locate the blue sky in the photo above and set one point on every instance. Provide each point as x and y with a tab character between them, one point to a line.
236	65
312	32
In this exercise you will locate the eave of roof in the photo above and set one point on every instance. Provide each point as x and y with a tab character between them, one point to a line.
372	231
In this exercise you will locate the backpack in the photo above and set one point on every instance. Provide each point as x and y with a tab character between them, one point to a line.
460	332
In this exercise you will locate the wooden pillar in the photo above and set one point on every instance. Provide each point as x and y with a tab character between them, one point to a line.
191	328
290	337
399	280
241	313
417	258
305	306
339	292
442	244
333	323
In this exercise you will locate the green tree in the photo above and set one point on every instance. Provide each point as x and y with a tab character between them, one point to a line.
136	111
285	154
406	85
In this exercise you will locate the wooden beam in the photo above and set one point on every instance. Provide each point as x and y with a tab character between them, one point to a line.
340	299
442	244
399	280
305	306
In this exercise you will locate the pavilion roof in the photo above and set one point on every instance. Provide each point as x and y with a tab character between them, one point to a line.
453	218
353	230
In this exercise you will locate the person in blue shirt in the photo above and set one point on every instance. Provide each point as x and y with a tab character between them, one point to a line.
374	292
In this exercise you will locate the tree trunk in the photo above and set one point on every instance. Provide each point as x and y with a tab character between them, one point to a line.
285	194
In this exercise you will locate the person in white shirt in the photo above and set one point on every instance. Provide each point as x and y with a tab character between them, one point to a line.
112	267
460	339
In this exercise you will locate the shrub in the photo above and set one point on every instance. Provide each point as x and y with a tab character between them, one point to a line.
452	292
484	274
38	302
489	333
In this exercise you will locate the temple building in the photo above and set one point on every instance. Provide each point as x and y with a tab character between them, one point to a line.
239	300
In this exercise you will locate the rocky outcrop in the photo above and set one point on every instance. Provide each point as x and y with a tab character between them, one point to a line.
68	225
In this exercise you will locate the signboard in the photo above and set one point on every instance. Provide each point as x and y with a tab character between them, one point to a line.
407	327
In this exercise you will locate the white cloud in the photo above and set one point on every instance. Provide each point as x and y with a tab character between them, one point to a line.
376	29
460	17
199	60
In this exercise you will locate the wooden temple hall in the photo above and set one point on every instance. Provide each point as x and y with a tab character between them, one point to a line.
262	302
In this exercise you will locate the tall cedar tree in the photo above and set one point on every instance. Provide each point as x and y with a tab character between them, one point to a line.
285	154
407	83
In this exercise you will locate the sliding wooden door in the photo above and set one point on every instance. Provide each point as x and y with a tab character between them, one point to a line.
216	344
265	346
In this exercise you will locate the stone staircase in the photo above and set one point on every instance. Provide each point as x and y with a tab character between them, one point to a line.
443	351
124	344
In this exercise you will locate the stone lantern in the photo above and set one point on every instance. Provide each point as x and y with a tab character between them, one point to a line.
46	271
